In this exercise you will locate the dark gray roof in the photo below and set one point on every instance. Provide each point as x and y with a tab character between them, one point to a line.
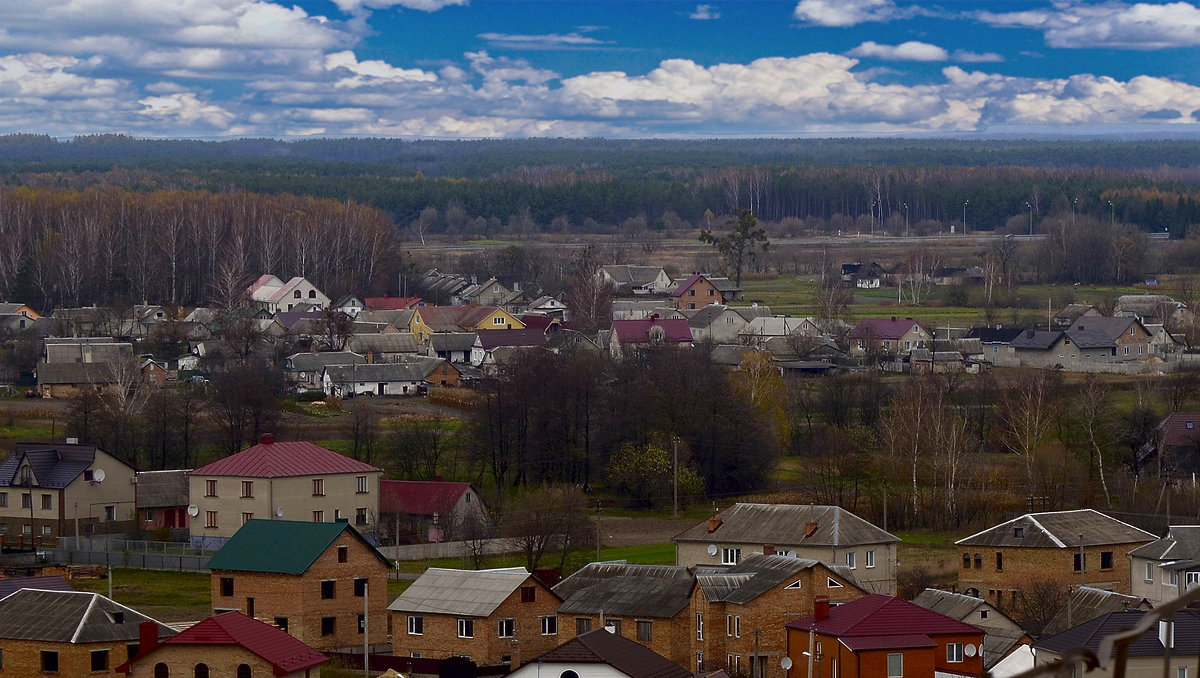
376	372
997	643
1182	542
1089	634
1058	529
315	362
788	525
1110	328
729	354
1087	603
954	605
1038	340
759	573
452	341
9	585
1090	339
1000	632
990	335
162	489
707	315
631	658
621	589
398	318
630	275
74	373
69	617
385	342
54	466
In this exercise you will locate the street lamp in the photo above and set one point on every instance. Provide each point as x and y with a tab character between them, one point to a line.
1030	218
964	217
905	220
1074	205
1112	214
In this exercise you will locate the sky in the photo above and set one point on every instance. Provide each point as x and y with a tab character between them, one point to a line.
610	68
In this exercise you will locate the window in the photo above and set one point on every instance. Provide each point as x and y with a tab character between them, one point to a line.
343	554
582	625
296	295
999	561
712	292
691	293
895	665
498	320
49	661
282	623
201	670
550	625
25	529
360	587
247	517
247	489
506	627
312	294
798	584
528	594
110	512
99	660
870	559
47	502
699	626
737	626
1019	531
983	614
616	624
954	653
4	499
729	625
131	650
318	516
226	586
978	562
328	588
26	500
850	559
360	516
328	625
161	671
1181	672
210	488
734	663
1106	560
46	530
210	518
466	628
1174	578
699	662
244	671
966	561
416	625
729	320
645	631
1149	572
1193	578
730	556
318	487
360	484
149	515
832	583
1080	561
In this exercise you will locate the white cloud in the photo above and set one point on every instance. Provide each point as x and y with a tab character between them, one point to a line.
186	110
371	72
44	77
976	57
705	13
844	13
545	41
1109	24
353	6
906	51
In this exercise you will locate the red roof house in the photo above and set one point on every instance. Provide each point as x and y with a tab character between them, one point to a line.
271	459
391	303
649	331
894	335
880	635
228	642
1176	443
408	509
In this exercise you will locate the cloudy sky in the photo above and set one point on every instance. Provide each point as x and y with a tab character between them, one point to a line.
521	68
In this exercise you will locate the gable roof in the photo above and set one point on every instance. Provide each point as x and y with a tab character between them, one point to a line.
1038	340
633	276
954	605
54	466
495	338
159	489
1000	633
281	546
454	318
341	374
598	646
453	341
759	573
75	373
284	653
1180	429
722	285
390	342
1089	634
624	589
878	615
1088	602
420	497
993	335
467	593
638	331
390	303
1058	529
1182	542
788	525
271	459
1108	327
69	617
885	328
315	362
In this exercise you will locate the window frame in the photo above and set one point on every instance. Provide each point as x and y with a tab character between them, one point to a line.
899	656
210	520
247	489
506	627
549	624
466	627
870	559
731	555
46	657
318	487
210	487
645	631
1149	576
361	485
954	653
328	589
101	654
329	623
416	625
852	560
226	587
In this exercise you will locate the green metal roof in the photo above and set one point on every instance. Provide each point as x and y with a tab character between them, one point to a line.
281	546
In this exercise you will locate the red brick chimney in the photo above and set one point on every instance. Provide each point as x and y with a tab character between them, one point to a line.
147	637
267	438
714	523
820	608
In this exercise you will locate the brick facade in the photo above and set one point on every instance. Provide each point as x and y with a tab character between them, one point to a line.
181	660
1018	567
700	294
834	659
23	658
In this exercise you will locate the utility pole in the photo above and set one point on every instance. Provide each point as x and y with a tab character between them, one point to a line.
597	531
366	636
675	475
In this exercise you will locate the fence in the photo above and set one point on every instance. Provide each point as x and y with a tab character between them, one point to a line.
130	553
450	549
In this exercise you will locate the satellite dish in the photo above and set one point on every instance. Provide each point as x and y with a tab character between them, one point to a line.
969	650
193	510
712	549
786	663
98	475
279	511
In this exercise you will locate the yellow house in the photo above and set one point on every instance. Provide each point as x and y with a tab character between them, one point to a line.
428	320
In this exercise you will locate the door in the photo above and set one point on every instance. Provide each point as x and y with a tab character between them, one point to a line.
250	607
170	517
381	389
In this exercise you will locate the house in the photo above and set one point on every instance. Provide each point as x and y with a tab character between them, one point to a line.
397	320
349	304
1176	444
162	499
1067	316
1130	336
10	585
303	370
700	289
627	337
69	633
487	342
16	318
428	320
388	347
829	534
452	346
309	578
546	305
154	372
47	489
1088	602
720	324
1145	654
1150	308
730	355
630	280
991	339
437	371
413	511
382	379
1001	562
17	308
759	330
894	336
882	636
66	380
501	616
1168	567
600	654
863	276
391	303
440	288
298	480
490	292
638	309
227	644
1001	635
274	295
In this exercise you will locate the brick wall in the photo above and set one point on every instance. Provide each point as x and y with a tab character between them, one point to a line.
917	661
23	658
222	660
670	637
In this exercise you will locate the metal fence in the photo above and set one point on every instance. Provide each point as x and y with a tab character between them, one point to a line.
132	559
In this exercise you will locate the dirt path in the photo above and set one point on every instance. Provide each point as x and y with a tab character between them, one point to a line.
636	531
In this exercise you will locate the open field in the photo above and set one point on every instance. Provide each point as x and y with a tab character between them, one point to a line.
165	596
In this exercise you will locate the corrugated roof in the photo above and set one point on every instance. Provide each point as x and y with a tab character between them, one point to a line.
1058	529
1182	542
420	497
627	656
1087	602
69	617
452	341
467	593
631	276
160	489
1089	339
768	571
787	525
75	373
1089	634
901	641
270	459
342	374
9	585
622	589
385	342
880	615
638	331
390	303
281	546
954	605
1039	340
284	653
884	328
315	362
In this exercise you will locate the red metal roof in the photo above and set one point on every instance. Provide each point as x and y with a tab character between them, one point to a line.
270	459
683	286
419	497
390	303
901	642
638	331
880	615
537	322
285	653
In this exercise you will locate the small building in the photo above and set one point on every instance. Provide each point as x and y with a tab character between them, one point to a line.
69	633
1176	444
227	644
275	296
382	379
303	370
1001	635
1146	654
161	498
700	289
414	511
384	347
455	347
638	281
307	578
67	380
1168	567
600	654
627	337
501	616
391	303
894	336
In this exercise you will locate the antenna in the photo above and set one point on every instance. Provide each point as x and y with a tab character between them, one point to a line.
193	510
98	475
278	511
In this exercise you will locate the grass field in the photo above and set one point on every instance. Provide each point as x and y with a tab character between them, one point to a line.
650	554
165	596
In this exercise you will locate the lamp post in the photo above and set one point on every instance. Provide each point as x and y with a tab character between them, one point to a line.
873	204
968	202
1074	206
1112	214
905	220
1030	218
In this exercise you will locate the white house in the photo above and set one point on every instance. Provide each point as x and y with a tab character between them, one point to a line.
276	295
601	653
383	379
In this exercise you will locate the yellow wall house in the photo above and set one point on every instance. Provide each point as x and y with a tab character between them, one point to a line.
429	320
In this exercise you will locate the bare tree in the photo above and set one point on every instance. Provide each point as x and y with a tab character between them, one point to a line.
1027	409
1093	409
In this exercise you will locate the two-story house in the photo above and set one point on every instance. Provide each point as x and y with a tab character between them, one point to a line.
309	579
1168	567
429	320
1001	635
600	654
700	289
888	336
275	295
632	280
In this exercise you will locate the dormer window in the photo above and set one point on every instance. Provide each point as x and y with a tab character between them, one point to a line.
1191	425
1019	531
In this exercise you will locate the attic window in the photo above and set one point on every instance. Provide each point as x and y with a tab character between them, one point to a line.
832	583
1019	531
794	585
1191	425
118	617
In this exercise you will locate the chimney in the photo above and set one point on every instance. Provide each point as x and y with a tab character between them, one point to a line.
267	438
893	318
820	608
810	528
549	576
147	637
713	524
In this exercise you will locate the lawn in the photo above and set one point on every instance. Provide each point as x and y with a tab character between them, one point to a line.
165	596
650	554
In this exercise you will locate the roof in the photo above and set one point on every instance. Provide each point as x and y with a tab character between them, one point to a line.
284	653
496	338
281	546
453	341
1058	529
729	354
772	326
1000	632
993	335
1108	327
420	497
1089	634
878	615
623	589
157	489
1089	339
885	328
759	573
75	373
598	646
9	585
389	342
390	303
315	362
638	331
633	276
888	642
954	605
1182	542
69	617
271	459
1087	602
1180	429
708	315
721	284
454	318
788	525
342	374
1039	340
54	465
467	593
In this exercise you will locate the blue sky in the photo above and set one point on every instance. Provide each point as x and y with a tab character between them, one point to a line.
521	68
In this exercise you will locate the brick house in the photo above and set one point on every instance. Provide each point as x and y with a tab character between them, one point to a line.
829	534
429	320
599	654
882	636
47	489
1176	444
162	499
700	289
228	644
309	579
69	633
627	337
491	617
1001	635
1168	567
1146	654
999	562
296	480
